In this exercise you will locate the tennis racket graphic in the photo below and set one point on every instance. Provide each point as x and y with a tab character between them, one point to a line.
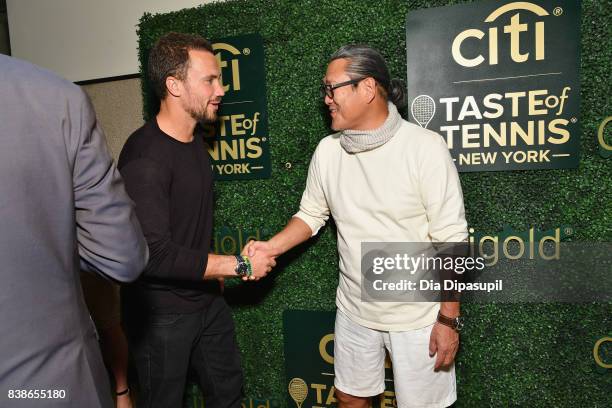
423	109
298	391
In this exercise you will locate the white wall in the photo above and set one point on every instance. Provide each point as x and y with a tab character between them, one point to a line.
82	39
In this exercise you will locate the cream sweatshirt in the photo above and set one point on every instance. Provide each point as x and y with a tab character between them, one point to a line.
406	190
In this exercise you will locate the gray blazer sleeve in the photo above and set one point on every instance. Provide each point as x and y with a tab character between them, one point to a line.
109	237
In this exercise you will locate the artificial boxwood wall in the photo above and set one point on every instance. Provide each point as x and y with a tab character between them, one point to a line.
511	355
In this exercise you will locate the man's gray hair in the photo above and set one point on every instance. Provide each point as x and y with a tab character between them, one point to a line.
365	61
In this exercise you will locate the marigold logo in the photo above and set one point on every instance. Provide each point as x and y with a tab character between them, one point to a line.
596	354
605	148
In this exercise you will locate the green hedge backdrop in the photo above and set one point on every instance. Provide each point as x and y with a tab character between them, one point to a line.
511	355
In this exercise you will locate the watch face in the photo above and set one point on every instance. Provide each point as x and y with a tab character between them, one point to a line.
242	268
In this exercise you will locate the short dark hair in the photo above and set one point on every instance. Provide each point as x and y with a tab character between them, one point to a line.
170	57
365	61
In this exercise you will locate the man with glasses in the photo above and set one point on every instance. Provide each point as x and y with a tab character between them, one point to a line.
382	179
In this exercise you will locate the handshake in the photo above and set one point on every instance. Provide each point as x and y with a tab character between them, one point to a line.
262	256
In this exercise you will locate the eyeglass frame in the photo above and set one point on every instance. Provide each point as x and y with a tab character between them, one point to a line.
328	90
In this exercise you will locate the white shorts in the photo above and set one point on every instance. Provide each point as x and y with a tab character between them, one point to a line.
359	359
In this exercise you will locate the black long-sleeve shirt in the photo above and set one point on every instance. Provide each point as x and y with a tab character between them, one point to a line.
171	184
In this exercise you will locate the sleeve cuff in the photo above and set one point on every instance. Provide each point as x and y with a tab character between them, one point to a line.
314	223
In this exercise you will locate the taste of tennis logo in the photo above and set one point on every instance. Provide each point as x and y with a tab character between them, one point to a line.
498	81
238	143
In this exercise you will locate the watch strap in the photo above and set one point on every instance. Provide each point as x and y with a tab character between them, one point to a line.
243	266
247	260
454	323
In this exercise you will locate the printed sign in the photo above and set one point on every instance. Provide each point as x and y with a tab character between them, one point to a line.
499	81
238	142
309	362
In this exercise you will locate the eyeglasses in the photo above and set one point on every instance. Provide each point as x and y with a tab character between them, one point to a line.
328	90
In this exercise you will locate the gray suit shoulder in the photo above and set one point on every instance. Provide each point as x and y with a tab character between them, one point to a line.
26	79
23	71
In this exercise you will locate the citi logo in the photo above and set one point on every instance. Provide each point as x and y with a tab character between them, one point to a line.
233	64
511	32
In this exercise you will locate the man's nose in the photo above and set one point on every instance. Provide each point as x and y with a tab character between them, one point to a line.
220	92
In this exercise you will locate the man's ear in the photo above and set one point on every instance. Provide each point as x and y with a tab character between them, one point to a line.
173	86
369	89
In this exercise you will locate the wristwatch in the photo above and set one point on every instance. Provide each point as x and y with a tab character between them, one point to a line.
242	267
455	323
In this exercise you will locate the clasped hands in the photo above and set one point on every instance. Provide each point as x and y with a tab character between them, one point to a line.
262	256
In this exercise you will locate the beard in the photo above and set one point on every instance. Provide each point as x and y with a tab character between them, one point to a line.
198	108
201	114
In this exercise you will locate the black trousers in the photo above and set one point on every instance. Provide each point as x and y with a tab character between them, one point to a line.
165	346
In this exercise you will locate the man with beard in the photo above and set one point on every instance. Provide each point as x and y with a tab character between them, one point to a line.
175	314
